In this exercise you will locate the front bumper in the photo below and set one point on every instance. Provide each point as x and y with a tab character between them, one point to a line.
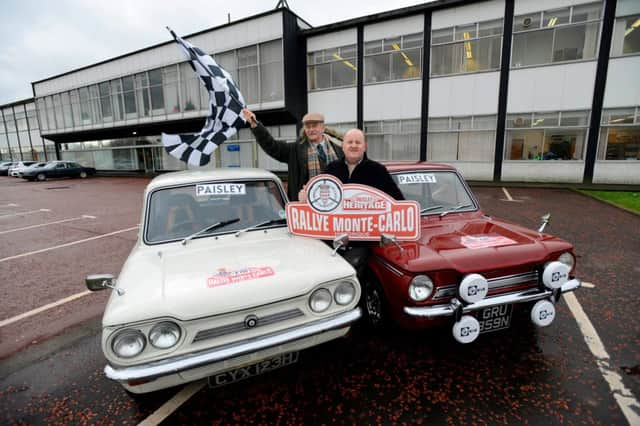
175	365
456	308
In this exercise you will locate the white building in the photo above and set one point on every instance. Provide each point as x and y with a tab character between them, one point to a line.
505	90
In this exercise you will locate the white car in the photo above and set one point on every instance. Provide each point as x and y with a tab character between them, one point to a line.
22	166
13	167
217	287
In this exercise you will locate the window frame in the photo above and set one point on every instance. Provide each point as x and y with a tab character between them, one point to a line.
390	51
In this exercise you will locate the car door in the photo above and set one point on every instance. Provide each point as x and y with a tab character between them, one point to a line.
59	170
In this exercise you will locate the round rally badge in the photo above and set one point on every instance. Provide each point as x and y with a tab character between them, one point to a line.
324	195
543	313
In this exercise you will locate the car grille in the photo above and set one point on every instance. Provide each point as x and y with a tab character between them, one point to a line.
496	283
240	326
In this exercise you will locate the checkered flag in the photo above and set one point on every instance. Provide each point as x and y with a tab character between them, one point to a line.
225	110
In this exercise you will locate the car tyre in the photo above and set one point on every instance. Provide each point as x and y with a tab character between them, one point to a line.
41	177
83	175
375	305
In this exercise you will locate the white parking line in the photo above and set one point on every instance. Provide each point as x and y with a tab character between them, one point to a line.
509	197
43	308
84	216
506	194
587	285
67	244
24	213
173	404
623	396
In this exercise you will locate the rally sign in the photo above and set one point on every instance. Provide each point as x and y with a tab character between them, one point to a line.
362	212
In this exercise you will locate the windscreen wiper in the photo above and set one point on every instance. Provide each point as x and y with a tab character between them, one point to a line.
428	209
210	228
461	206
258	225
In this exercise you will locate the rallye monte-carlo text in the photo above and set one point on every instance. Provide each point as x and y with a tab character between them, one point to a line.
217	287
467	269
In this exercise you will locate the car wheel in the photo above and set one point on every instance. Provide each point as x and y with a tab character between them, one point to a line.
41	177
375	304
83	175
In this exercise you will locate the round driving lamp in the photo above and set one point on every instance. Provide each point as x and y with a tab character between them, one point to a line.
568	259
164	335
128	343
320	300
420	288
344	294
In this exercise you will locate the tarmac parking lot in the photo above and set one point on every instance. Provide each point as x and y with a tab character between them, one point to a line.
584	368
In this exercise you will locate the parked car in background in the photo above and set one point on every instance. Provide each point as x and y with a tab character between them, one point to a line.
19	166
468	269
58	169
217	287
5	166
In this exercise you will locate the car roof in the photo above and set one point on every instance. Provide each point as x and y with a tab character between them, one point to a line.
193	176
407	166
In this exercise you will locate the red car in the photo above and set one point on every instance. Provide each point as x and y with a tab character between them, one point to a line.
468	269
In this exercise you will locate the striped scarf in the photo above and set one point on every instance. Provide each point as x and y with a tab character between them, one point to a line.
313	161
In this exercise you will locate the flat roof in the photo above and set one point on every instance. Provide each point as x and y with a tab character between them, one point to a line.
385	16
260	15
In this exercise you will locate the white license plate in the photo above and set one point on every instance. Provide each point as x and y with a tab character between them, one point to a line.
248	371
494	318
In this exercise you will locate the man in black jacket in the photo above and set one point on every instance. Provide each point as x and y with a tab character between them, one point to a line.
357	168
316	147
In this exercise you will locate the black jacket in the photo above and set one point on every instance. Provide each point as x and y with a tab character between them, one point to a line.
368	172
294	154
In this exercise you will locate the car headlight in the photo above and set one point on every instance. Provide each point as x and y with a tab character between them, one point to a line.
320	300
164	335
420	288
344	294
128	343
568	259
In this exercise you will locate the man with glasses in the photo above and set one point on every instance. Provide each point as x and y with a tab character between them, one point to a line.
316	147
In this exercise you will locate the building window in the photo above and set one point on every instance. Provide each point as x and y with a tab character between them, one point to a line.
170	89
271	78
620	134
393	139
462	138
130	110
558	35
390	59
105	102
546	136
466	48
626	36
330	68
248	74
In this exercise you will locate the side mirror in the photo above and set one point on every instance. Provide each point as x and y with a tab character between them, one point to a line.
545	220
340	241
386	239
98	282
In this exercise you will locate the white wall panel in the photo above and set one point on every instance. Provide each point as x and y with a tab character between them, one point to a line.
392	100
627	7
242	34
338	106
394	28
552	88
619	172
623	83
471	94
473	170
476	12
540	171
527	6
335	39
